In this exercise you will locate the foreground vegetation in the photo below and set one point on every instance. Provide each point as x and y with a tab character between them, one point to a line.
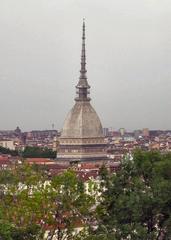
134	203
137	201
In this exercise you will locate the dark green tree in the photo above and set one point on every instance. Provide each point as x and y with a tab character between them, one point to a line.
8	151
38	152
137	203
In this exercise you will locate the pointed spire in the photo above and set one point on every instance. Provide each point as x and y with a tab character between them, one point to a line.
83	55
83	86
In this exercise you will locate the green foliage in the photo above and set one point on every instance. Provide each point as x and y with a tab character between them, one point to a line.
137	202
30	204
38	152
9	232
8	151
5	230
103	172
71	205
104	177
28	233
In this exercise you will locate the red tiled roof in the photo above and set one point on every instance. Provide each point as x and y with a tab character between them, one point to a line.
4	158
89	166
38	159
45	161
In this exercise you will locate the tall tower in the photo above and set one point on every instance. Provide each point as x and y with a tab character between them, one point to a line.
82	137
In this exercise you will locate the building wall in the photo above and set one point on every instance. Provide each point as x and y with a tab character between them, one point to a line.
7	144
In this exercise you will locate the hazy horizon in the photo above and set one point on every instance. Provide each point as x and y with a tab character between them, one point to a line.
128	45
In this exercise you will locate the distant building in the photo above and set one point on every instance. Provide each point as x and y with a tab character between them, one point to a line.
106	132
122	131
137	134
17	131
7	144
145	132
82	138
44	133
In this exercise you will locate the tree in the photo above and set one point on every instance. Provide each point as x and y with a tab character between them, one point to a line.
38	152
33	206
19	206
137	203
5	230
8	151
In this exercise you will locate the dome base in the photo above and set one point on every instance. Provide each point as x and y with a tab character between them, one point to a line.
82	149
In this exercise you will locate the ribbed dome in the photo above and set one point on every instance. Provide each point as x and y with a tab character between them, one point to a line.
82	122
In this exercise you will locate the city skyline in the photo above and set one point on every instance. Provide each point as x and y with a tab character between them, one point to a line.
128	55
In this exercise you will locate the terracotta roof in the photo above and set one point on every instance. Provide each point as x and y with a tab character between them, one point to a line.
89	166
4	158
40	161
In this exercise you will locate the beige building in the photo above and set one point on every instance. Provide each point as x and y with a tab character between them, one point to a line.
145	132
82	137
7	144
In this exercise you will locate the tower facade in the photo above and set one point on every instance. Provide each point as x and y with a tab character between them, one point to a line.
82	137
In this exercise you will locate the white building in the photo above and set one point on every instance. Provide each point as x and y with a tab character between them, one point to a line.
7	144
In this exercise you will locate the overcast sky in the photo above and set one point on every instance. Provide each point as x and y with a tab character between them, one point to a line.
128	61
